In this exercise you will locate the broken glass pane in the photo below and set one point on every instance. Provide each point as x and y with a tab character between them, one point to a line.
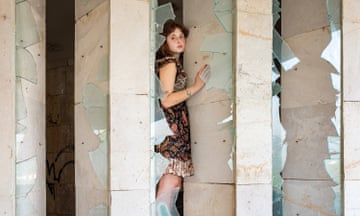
221	72
20	108
337	200
283	53
276	11
98	158
159	41
25	206
275	73
225	19
277	196
279	145
333	7
94	96
222	5
83	7
332	167
20	128
223	12
98	118
331	53
100	210
231	158
26	174
95	102
163	13
103	74
25	66
276	88
336	81
334	144
217	43
26	29
160	125
221	60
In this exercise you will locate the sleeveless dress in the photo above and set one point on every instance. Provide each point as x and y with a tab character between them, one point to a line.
176	148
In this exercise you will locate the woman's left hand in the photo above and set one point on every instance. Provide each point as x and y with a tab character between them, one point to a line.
202	76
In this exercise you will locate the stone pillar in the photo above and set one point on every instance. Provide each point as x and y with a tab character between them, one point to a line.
130	107
7	109
253	107
351	106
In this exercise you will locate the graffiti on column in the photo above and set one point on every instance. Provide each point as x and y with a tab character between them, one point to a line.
53	175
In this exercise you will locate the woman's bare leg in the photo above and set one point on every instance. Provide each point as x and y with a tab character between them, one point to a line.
168	182
166	196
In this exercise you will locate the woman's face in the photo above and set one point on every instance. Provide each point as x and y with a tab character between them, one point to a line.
176	41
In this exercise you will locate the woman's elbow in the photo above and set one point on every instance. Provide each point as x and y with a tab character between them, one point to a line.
165	103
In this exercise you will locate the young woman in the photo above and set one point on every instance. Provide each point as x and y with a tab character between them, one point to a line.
175	148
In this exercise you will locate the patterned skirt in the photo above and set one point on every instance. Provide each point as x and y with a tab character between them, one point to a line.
177	148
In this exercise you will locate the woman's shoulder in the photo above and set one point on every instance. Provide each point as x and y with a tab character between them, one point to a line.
165	60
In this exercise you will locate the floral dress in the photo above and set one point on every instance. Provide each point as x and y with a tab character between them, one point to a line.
176	148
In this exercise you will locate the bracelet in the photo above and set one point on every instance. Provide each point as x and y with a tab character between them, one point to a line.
188	92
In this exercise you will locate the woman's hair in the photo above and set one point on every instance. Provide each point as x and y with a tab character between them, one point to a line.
169	27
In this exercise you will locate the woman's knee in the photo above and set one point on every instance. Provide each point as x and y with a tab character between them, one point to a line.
171	181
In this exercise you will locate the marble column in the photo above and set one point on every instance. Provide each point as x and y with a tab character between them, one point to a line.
7	109
253	107
130	107
351	106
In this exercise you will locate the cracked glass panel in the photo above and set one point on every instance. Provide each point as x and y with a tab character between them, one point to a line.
26	174
95	102
25	65
283	53
25	207
26	29
103	74
100	210
94	96
222	5
332	54
223	12
83	7
221	60
20	109
276	11
161	13
287	60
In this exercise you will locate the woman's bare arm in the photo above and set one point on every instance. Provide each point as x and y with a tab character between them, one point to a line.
167	79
